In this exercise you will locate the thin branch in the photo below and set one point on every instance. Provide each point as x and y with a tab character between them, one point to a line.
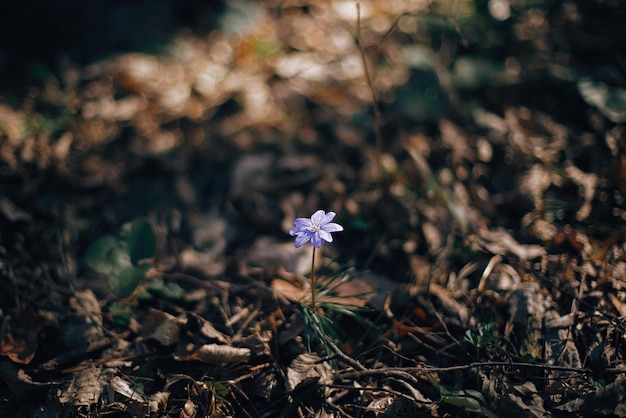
368	78
402	372
344	357
393	27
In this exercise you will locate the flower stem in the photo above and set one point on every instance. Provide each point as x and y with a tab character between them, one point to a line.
313	280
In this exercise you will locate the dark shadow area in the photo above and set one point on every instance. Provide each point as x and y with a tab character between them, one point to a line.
36	36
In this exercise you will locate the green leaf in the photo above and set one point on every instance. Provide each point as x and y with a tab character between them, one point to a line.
120	313
118	258
106	255
169	290
140	239
124	280
471	337
220	389
469	400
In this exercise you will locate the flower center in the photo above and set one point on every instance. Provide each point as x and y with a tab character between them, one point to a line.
314	228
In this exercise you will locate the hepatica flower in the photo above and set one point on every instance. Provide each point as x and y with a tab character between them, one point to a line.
316	229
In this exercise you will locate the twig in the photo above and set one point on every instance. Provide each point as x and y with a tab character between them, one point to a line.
381	389
393	27
490	266
344	357
368	78
403	372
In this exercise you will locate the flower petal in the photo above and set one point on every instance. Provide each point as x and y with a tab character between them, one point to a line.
318	217
332	227
325	235
302	239
327	218
317	229
316	240
301	223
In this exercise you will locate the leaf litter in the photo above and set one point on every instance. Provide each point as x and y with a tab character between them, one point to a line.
147	199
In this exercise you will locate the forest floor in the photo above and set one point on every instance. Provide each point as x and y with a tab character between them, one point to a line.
474	153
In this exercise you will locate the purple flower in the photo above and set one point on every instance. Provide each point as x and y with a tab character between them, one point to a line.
317	229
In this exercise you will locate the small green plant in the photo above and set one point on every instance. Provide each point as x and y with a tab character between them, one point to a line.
469	400
483	337
125	259
318	324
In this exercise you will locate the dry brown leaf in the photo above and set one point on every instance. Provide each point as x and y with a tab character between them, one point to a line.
354	292
86	387
519	399
588	182
20	333
162	327
126	389
306	366
288	290
535	181
11	212
527	306
387	406
205	328
606	400
618	305
501	242
449	304
220	354
86	327
158	402
189	409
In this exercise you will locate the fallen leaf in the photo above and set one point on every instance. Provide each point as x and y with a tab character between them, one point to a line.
11	212
162	327
605	400
196	322
220	354
86	387
618	304
189	409
306	366
501	242
158	402
126	389
20	334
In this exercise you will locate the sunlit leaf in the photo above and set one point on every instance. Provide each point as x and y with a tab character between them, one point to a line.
305	366
126	389
220	354
85	389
